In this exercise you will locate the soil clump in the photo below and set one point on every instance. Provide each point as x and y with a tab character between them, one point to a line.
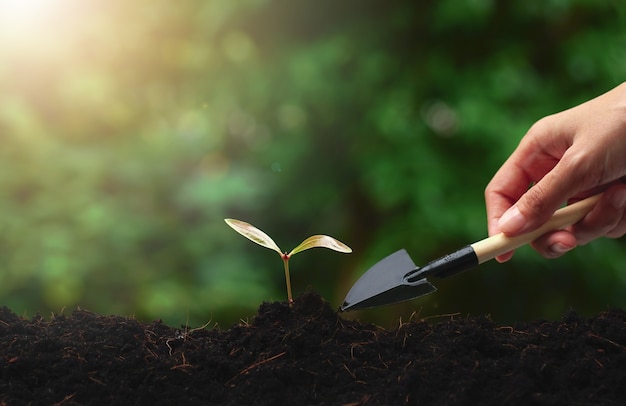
307	354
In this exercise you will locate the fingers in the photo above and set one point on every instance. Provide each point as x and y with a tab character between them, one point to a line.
606	219
506	187
555	244
563	156
568	177
505	257
532	162
528	163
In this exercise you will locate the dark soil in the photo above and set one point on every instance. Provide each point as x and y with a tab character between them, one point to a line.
308	355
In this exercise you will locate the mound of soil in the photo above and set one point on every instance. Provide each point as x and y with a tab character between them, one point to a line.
307	355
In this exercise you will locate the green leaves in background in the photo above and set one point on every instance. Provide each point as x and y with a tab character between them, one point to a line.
131	129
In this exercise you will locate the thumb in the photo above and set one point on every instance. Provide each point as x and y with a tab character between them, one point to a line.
538	204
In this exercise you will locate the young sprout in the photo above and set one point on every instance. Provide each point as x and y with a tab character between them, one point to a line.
254	234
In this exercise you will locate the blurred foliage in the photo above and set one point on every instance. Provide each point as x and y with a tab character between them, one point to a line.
129	130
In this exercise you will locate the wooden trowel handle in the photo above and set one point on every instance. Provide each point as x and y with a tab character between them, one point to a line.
499	244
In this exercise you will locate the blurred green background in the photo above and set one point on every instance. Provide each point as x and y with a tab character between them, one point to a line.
130	129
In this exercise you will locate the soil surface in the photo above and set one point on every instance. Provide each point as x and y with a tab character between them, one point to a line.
307	354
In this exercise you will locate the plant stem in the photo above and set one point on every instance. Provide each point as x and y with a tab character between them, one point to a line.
287	278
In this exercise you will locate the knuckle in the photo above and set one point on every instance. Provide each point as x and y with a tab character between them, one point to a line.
608	224
616	233
581	166
534	201
489	190
543	250
606	220
619	230
575	164
540	127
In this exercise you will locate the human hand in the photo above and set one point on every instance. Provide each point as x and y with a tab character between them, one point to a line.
565	157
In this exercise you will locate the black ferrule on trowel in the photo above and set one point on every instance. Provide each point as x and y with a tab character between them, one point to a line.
448	265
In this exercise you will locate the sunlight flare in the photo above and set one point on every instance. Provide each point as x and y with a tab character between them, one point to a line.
24	12
28	20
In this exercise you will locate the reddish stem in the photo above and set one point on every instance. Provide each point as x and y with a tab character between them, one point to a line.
285	258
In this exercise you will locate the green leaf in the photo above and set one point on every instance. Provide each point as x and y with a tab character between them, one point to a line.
323	241
253	234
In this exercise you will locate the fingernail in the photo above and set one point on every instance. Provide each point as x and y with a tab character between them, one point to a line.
560	249
619	198
512	221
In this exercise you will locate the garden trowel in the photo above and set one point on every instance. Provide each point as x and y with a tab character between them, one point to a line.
396	278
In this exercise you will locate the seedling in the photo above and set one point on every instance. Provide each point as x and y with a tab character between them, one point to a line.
254	234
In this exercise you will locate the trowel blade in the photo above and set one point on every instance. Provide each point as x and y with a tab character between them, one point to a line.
385	283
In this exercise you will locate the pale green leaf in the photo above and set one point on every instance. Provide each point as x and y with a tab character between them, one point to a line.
253	234
322	241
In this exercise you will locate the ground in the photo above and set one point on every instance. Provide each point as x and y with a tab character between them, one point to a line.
307	354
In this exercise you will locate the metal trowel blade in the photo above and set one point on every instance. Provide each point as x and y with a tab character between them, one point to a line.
385	283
